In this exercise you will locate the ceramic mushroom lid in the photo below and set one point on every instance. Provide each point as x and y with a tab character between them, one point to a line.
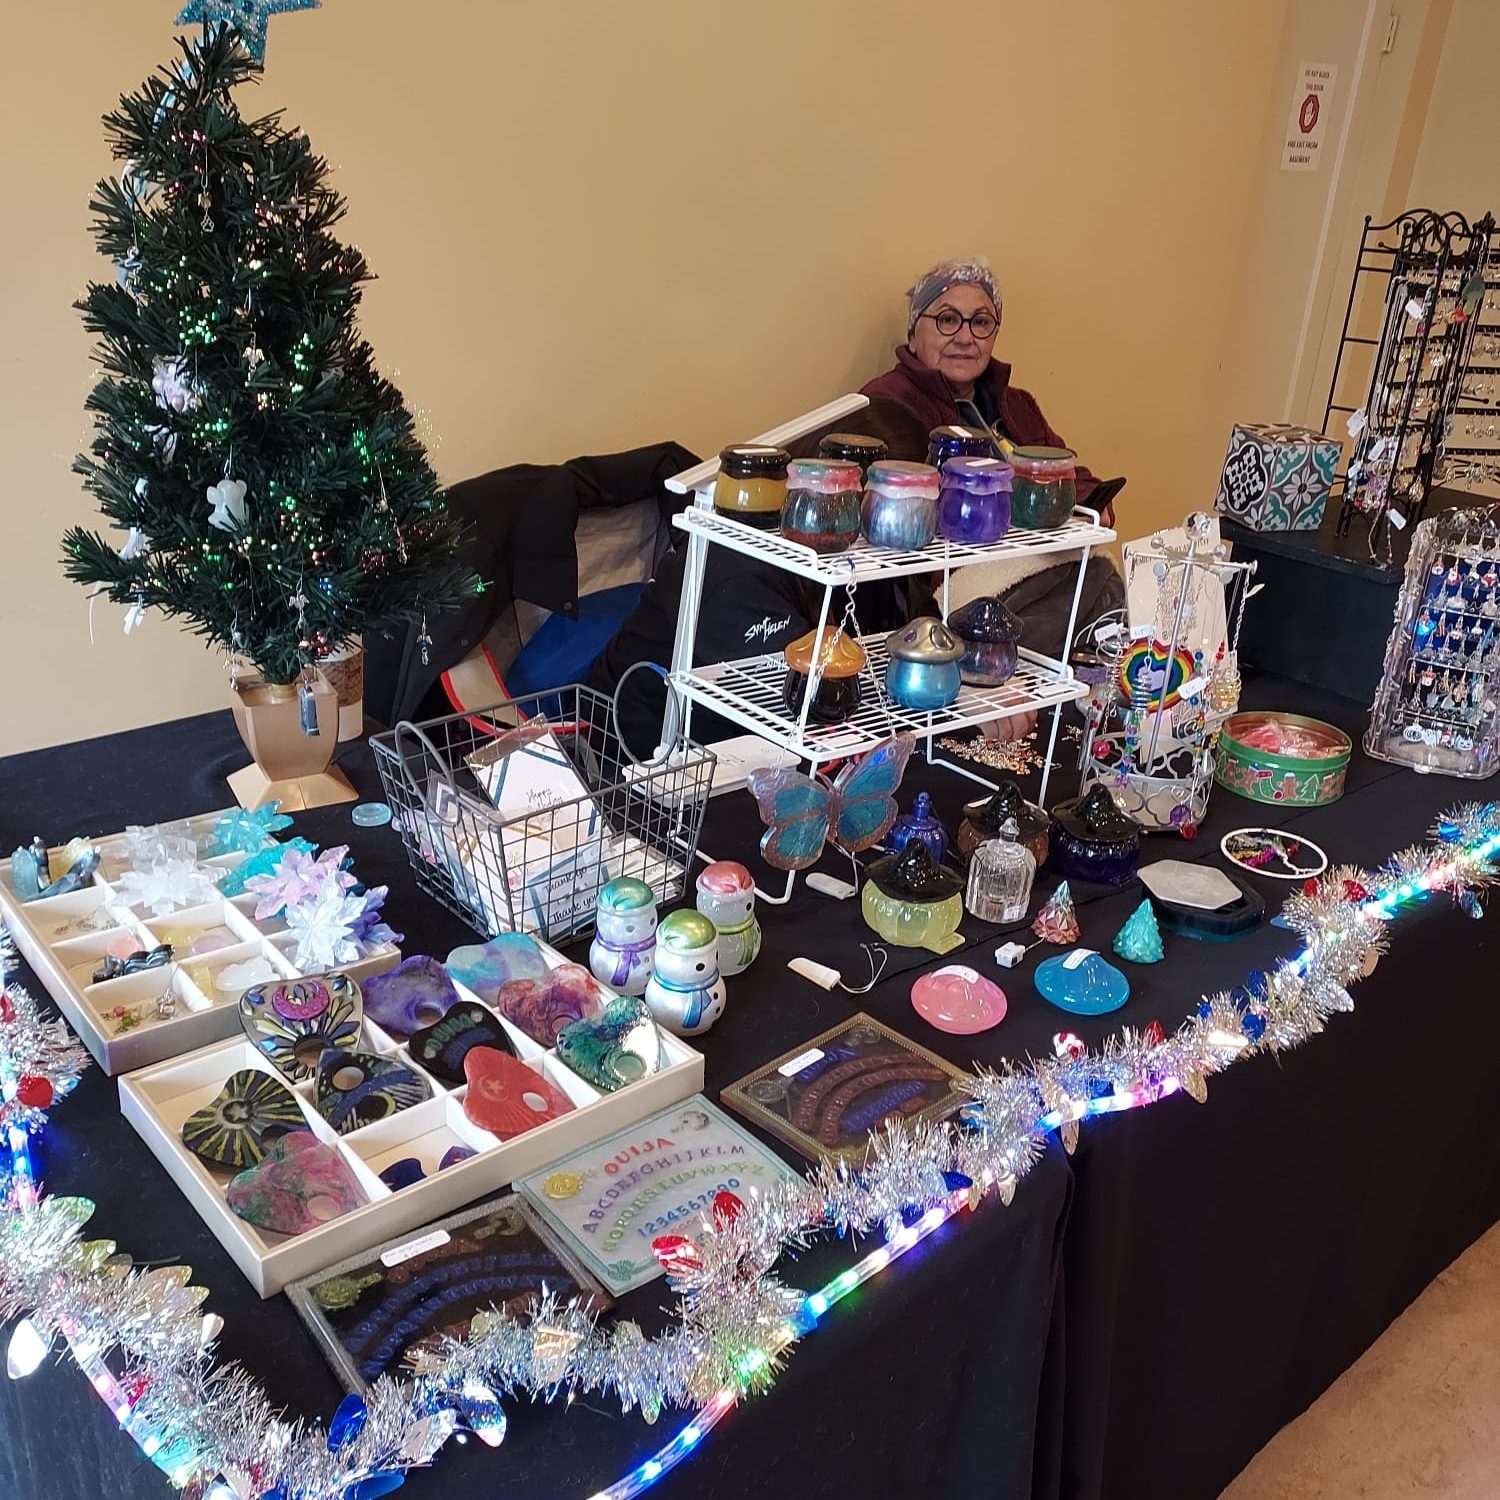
1095	818
1007	802
914	875
838	656
986	620
924	640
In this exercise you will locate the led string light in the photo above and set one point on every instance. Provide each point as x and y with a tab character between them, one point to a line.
1340	918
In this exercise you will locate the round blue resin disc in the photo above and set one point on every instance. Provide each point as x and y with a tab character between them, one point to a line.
370	815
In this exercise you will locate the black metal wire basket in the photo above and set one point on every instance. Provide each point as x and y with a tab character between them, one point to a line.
539	868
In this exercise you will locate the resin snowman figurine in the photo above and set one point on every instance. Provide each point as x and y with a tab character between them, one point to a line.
685	993
624	946
726	896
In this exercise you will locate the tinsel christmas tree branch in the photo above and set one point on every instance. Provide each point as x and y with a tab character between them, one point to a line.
735	1318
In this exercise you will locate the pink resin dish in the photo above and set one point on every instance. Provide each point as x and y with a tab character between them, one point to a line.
958	1000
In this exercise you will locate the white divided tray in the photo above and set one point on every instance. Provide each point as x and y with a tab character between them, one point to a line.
159	1099
64	939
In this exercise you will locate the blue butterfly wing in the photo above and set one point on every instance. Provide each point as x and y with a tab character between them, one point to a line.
866	805
796	810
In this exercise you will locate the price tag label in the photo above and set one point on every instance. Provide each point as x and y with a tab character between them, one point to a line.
420	1246
802	1060
1077	956
1396	518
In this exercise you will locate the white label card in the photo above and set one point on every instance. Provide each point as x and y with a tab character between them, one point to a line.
1077	956
420	1246
802	1060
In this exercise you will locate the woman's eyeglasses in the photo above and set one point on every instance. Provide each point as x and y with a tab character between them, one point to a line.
981	324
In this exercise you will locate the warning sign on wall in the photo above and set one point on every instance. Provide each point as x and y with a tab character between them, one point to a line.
1307	125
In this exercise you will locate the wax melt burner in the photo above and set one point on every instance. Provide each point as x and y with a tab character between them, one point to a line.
922	672
913	901
991	637
1091	839
838	693
983	819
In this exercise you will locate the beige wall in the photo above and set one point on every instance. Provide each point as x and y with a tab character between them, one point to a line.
600	224
1457	164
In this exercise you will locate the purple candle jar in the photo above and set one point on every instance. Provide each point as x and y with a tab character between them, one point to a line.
974	505
944	443
1091	839
991	635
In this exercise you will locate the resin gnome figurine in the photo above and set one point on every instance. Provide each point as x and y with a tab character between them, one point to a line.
1139	939
1057	921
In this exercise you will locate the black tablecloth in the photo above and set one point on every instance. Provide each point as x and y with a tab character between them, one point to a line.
1138	1322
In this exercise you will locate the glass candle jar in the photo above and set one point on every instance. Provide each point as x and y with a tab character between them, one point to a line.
944	443
853	448
751	485
974	505
991	635
822	504
922	672
920	823
983	819
900	506
1045	488
1000	876
841	661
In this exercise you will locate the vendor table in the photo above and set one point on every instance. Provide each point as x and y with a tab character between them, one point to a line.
1139	1321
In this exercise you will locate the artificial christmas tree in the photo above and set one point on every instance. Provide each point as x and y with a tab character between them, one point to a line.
267	481
1139	939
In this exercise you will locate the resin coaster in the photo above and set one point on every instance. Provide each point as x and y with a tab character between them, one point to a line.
543	1007
293	1022
484	967
616	1048
441	1047
357	1088
250	1112
300	1185
412	995
1082	982
506	1097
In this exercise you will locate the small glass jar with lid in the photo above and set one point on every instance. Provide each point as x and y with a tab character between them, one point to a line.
974	505
822	504
944	443
1000	874
900	505
1045	488
853	448
840	661
751	485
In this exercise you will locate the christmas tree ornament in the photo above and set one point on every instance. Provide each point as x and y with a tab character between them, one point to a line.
615	1048
1000	874
1091	839
226	504
354	1089
442	1047
914	902
1139	940
299	1185
248	1114
1057	921
172	385
416	993
920	823
726	896
624	946
1082	982
685	992
249	17
508	1098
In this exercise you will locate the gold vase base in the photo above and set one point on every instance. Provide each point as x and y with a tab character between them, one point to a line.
253	788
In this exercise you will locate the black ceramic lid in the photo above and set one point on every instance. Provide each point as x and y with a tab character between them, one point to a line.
986	620
852	447
989	814
914	875
754	461
1095	818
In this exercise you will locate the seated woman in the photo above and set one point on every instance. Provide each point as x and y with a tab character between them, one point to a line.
953	316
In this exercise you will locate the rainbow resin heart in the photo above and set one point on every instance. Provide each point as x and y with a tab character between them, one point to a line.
506	1097
250	1112
412	995
442	1047
543	1007
300	1185
357	1088
293	1022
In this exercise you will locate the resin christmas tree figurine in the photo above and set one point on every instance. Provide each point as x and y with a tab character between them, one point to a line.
1139	939
264	480
1057	922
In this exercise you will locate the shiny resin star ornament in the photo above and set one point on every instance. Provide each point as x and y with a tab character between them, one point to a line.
250	17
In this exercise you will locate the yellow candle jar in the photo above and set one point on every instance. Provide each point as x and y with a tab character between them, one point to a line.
751	485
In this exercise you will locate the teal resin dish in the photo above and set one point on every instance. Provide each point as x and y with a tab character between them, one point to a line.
1091	987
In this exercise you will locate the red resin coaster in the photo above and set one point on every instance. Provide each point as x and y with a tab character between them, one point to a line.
506	1097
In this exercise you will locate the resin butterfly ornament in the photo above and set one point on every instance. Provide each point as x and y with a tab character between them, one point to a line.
855	810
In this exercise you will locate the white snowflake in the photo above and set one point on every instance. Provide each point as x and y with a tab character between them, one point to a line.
164	885
324	929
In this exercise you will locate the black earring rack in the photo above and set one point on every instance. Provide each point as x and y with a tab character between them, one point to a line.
1421	368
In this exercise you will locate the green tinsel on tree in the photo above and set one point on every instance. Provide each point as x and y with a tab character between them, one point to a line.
267	480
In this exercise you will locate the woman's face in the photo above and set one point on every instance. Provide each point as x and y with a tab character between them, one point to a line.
960	357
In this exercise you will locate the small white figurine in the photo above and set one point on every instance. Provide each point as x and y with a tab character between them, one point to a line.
685	993
726	896
624	946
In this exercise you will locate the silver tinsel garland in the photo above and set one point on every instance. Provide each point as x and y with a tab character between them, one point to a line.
736	1319
40	1059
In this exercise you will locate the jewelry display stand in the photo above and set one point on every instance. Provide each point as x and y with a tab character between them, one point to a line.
748	691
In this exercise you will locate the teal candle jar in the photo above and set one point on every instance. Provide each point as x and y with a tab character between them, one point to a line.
922	670
822	504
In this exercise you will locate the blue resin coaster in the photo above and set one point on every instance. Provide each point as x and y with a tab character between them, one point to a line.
1083	983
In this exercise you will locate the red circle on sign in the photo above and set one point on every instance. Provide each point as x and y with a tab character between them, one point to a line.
1307	116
